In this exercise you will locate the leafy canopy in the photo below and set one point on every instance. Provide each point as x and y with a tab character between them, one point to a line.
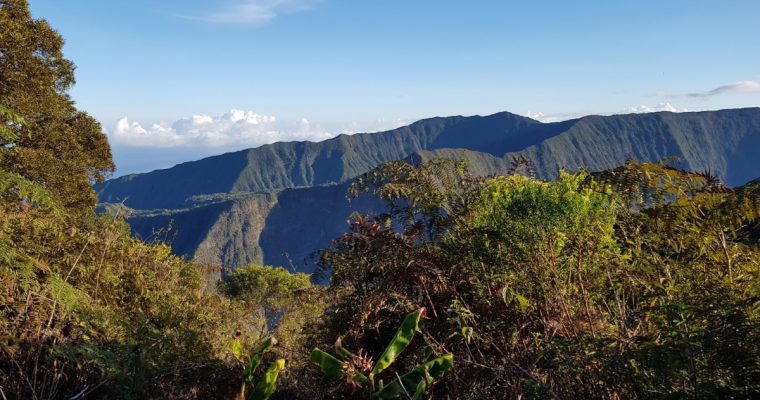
43	137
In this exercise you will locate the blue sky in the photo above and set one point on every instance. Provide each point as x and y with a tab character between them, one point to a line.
176	80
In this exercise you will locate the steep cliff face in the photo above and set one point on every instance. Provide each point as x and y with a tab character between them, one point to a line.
278	204
278	228
306	220
233	239
724	142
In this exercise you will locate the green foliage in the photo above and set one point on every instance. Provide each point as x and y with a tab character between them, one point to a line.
15	187
637	282
12	121
100	309
331	366
264	388
427	194
403	336
86	310
260	284
89	308
43	137
25	193
358	370
280	302
418	380
544	242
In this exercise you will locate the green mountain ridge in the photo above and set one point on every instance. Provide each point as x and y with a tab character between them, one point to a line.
724	142
302	164
281	214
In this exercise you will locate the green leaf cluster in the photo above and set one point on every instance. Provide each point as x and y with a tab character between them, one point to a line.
264	388
358	370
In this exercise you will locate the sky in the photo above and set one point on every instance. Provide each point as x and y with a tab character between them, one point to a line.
178	80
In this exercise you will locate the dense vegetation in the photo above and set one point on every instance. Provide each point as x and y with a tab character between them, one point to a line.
637	282
641	281
86	310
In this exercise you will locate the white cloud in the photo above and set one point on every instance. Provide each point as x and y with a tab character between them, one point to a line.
256	11
236	128
553	117
157	135
657	108
736	87
539	116
141	147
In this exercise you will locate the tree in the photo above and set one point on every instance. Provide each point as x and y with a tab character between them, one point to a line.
55	136
267	289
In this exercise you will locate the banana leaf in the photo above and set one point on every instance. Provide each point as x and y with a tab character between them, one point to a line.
418	379
421	388
257	354
264	346
331	366
342	351
253	363
266	385
403	336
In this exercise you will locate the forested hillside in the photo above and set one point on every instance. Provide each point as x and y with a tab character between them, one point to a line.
723	142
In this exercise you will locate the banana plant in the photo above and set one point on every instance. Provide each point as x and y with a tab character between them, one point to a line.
358	370
265	386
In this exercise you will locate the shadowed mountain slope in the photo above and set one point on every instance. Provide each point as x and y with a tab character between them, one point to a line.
277	228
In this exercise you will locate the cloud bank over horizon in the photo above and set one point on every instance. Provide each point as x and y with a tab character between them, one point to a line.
141	147
236	128
642	109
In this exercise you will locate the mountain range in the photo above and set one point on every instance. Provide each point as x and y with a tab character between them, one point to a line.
278	203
